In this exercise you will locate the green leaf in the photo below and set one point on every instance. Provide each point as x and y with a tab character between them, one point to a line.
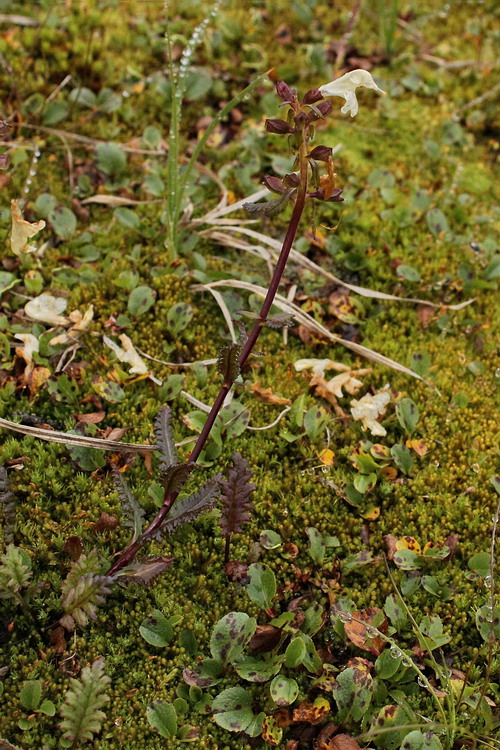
232	709
318	544
256	669
395	612
407	414
313	619
162	718
63	221
47	708
364	482
407	559
352	692
386	665
437	588
111	159
231	635
408	272
262	586
53	113
284	690
45	204
30	694
85	97
432	628
488	622
156	629
418	740
206	673
179	317
109	390
480	563
402	458
315	420
270	539
140	300
198	83
295	653
127	217
437	221
420	362
311	660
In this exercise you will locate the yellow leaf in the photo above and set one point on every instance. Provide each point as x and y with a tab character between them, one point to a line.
327	457
418	446
408	542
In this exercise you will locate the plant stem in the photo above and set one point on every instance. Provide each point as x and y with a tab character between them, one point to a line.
128	555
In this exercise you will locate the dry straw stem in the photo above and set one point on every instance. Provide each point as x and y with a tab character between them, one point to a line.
313	325
222	226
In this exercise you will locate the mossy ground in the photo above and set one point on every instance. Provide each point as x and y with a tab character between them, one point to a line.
437	152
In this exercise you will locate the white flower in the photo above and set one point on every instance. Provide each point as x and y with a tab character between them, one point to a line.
368	408
346	87
318	366
22	231
47	309
128	354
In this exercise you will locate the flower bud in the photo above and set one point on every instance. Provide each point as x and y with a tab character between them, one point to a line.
313	95
285	92
291	180
321	153
280	127
4	161
322	109
320	195
274	184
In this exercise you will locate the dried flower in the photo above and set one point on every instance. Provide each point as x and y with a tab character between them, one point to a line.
47	309
346	87
369	408
22	230
128	354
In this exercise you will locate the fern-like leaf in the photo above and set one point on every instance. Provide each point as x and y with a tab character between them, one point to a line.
15	571
8	504
235	495
81	710
228	363
133	511
83	591
165	438
190	507
175	477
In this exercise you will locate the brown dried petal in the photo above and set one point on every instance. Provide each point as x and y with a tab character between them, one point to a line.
321	153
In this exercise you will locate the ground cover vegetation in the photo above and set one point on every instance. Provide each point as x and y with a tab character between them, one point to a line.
249	464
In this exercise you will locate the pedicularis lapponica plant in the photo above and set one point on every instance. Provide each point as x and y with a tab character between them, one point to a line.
313	179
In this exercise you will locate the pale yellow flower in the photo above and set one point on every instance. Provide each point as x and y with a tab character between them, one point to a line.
346	87
369	408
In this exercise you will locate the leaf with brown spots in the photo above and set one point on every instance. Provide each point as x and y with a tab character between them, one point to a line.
340	305
418	446
271	732
312	713
359	632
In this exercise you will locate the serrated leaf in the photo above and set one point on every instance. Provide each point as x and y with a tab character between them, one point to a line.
175	477
133	511
165	438
189	508
228	363
281	320
83	591
235	497
81	711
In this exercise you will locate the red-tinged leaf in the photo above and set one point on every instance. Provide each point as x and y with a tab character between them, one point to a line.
343	742
189	508
145	571
175	477
228	361
235	496
105	522
361	633
312	713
